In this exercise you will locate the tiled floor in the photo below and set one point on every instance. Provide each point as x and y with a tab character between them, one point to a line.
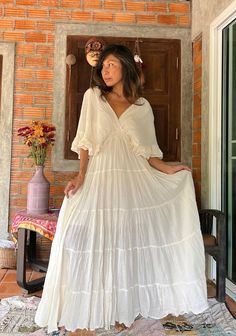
9	287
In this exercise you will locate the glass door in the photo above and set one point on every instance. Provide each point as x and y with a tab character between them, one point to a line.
229	144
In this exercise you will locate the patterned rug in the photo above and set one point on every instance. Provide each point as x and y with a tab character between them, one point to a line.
17	319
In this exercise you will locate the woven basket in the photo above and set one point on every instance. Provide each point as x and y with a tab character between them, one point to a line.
7	258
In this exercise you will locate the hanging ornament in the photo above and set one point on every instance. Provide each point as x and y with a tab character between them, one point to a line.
138	60
93	49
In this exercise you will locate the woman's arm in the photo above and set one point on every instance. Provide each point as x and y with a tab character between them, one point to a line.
74	185
158	164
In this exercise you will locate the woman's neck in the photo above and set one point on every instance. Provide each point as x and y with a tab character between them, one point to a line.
118	91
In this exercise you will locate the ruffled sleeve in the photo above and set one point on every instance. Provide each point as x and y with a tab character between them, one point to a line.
86	135
142	133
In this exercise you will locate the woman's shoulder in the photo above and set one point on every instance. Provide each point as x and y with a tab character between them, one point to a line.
92	91
143	103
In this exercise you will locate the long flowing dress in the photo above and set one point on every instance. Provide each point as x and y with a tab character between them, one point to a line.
129	241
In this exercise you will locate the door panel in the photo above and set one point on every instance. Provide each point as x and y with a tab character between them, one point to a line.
161	59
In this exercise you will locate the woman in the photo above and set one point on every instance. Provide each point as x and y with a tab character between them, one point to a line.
128	239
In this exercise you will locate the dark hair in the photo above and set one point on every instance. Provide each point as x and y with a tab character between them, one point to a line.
132	89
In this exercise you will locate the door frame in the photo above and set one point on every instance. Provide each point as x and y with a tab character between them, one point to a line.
215	111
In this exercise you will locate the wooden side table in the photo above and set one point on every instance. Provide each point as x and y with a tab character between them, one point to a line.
24	229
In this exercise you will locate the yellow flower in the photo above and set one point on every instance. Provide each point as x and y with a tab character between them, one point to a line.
38	131
41	140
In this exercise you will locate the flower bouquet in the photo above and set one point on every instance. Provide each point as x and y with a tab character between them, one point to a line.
39	136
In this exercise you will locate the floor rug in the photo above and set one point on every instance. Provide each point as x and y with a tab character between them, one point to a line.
17	319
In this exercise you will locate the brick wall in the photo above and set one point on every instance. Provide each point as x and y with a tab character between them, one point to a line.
196	139
31	25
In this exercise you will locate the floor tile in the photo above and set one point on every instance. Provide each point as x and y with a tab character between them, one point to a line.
2	273
9	288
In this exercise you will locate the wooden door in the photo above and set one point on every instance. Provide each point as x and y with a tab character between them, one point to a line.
161	59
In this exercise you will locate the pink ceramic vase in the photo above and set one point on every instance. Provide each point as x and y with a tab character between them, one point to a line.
38	192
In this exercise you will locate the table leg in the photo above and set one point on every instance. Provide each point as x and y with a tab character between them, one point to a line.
30	286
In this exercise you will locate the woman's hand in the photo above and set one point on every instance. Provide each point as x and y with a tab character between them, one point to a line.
73	186
174	169
158	164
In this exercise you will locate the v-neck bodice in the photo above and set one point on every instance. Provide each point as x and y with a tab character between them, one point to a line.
114	112
98	121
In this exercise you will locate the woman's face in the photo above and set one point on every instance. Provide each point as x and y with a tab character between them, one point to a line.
112	71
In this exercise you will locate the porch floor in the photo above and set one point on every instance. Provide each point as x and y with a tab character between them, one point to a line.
9	287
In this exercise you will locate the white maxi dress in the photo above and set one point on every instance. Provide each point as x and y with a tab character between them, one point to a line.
129	241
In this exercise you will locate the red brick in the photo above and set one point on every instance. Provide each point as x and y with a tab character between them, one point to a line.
48	3
70	3
15	163
81	16
6	24
14	188
59	14
25	49
25	74
19	150
135	6
197	60
58	201
26	2
37	13
95	4
197	45
64	177
50	62
50	38
28	163
24	24
196	162
124	18
18	176
35	62
197	74
197	123
156	7
35	37
45	25
33	112
146	19
196	136
18	112
196	149
44	50
24	99
57	190
15	12
196	174
21	203
179	8
43	100
44	74
7	2
184	20
103	17
36	87
167	19
14	36
111	4
49	112
19	61
197	85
